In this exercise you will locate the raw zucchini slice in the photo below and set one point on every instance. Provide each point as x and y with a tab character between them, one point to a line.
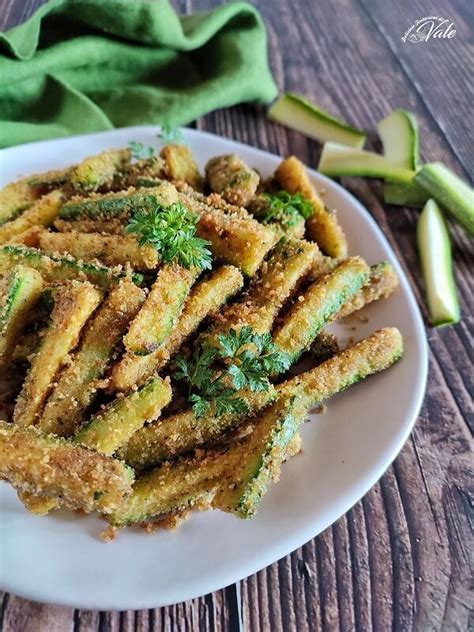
51	466
401	140
322	227
43	212
117	422
299	113
434	245
337	160
74	303
411	194
450	191
21	291
319	305
78	382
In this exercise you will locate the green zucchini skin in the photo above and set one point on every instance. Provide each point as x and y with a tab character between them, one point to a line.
321	303
113	426
23	288
401	139
399	194
55	268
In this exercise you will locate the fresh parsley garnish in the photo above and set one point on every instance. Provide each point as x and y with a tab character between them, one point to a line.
288	208
172	231
170	134
249	358
139	151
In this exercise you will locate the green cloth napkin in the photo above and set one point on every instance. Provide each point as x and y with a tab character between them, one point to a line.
82	66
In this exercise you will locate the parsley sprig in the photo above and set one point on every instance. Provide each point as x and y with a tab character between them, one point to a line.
139	151
170	134
250	359
288	208
172	231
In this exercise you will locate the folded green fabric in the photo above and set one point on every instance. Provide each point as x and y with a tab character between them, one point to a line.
80	66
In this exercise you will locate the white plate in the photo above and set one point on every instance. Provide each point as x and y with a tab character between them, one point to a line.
60	558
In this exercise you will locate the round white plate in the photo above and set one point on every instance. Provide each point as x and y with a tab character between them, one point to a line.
61	559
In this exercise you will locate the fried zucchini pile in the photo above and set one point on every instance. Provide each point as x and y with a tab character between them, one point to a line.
101	325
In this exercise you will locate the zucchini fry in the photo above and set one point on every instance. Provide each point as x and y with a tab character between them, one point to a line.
118	205
108	226
177	434
276	279
51	466
292	226
230	177
74	304
322	226
319	305
50	179
78	382
110	250
117	422
181	165
383	280
38	505
43	212
97	171
152	326
57	268
205	298
22	290
15	198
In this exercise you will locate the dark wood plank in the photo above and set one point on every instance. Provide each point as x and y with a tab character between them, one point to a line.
399	559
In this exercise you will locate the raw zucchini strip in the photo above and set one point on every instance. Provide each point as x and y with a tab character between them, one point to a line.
15	198
51	466
266	447
410	194
230	177
55	268
301	114
152	326
43	212
319	305
38	505
205	298
235	236
117	422
97	171
78	382
111	250
322	227
183	432
22	290
449	190
181	165
122	204
240	474
74	303
276	280
401	139
383	280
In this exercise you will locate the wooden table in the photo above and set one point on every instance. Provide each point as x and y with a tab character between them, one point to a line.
399	559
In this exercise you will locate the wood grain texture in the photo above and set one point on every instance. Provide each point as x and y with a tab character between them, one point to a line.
399	560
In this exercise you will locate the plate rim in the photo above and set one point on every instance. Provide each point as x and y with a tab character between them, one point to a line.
302	535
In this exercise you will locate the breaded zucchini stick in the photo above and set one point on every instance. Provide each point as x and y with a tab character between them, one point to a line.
152	326
51	466
111	250
38	505
322	226
78	383
319	305
43	212
115	424
237	476
107	226
15	198
74	303
206	297
290	225
288	263
57	268
383	280
97	171
50	179
180	164
21	291
230	177
183	432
